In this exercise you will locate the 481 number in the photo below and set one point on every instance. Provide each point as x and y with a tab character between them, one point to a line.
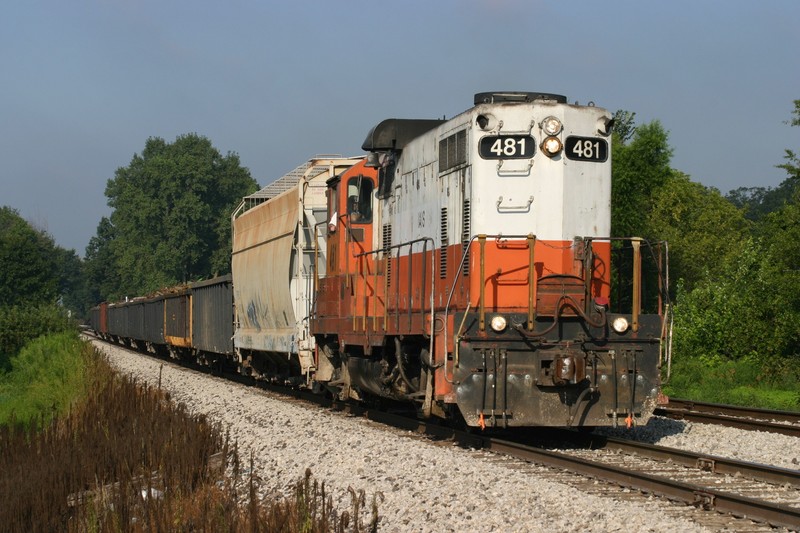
586	149
507	147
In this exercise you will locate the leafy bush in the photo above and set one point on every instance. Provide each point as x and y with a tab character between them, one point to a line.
743	313
21	324
45	379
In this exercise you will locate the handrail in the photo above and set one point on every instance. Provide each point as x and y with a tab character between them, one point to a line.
316	263
410	244
588	266
459	271
532	286
637	283
531	240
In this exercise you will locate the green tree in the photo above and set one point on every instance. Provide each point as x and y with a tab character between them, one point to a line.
640	159
640	167
624	126
30	269
780	235
740	321
171	218
102	275
792	164
704	230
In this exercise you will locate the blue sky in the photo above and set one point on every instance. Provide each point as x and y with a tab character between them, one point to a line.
86	82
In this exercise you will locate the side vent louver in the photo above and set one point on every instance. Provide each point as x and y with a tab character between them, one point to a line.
387	254
443	248
453	151
466	233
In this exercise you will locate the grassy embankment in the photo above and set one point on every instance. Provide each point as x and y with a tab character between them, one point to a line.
747	383
83	449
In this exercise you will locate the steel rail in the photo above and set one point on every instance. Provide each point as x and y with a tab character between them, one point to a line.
704	462
698	495
734	410
748	418
707	498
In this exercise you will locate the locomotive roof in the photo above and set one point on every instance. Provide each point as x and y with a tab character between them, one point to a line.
396	133
516	97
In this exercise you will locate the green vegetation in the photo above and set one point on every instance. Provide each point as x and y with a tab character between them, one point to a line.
745	382
171	220
735	269
21	324
45	380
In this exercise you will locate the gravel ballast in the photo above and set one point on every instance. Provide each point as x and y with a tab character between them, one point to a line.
420	486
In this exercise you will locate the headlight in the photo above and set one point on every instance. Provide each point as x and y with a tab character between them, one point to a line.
498	323
551	146
551	126
620	324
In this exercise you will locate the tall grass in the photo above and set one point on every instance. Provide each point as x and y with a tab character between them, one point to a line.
125	458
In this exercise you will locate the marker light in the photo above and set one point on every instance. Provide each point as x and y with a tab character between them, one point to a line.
620	324
551	126
498	323
551	146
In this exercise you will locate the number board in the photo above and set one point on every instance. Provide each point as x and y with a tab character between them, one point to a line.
586	149
507	147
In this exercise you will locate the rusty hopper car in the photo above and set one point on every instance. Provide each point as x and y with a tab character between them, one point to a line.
469	271
178	321
274	252
212	318
98	319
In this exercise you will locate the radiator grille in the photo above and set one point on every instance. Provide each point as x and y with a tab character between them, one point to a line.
453	151
386	243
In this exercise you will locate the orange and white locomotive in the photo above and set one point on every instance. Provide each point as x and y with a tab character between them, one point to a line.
469	270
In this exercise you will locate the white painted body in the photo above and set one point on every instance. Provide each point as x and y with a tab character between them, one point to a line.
555	199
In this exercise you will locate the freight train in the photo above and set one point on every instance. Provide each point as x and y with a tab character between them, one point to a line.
464	266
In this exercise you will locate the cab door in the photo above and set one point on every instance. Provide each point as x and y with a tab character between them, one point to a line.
359	262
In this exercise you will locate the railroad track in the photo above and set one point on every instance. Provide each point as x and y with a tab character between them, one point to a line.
756	492
782	422
761	493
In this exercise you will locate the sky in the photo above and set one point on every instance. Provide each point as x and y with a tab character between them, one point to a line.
86	82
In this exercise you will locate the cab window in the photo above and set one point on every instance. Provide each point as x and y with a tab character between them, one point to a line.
359	200
333	201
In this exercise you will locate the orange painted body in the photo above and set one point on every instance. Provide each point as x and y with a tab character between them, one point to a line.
359	304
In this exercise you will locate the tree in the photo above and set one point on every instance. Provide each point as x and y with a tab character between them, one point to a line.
72	288
102	275
624	126
171	218
640	167
28	262
781	236
748	308
704	230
